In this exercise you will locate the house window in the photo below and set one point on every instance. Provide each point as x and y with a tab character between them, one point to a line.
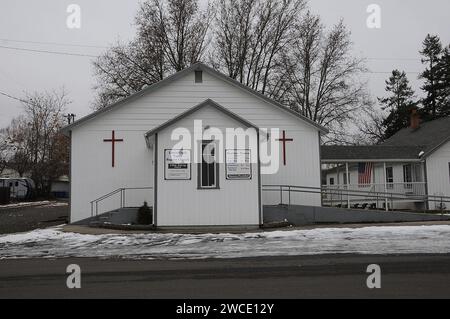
407	176
389	177
332	181
208	168
198	76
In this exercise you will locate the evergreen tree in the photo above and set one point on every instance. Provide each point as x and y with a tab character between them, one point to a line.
443	83
431	52
399	103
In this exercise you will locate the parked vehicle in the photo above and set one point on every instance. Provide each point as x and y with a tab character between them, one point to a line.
20	188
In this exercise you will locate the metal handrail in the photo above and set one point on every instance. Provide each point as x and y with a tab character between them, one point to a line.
343	187
107	195
122	191
358	192
369	194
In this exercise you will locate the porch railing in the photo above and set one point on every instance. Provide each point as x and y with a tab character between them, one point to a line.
121	197
407	189
334	195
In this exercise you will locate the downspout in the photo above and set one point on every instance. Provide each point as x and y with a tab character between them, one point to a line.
425	175
320	171
155	183
260	206
348	185
385	188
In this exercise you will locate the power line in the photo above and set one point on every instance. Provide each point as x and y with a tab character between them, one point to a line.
17	98
95	56
50	52
106	47
390	72
13	97
394	59
56	43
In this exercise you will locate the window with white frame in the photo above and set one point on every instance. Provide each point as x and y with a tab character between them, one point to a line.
390	177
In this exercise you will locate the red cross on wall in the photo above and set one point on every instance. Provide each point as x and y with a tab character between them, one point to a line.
113	142
284	140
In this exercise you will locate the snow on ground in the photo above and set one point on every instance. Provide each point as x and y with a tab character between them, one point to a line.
54	204
44	203
54	243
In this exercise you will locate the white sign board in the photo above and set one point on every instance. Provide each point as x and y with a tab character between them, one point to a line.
238	164
177	165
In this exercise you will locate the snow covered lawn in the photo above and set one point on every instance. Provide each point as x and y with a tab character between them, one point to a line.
54	243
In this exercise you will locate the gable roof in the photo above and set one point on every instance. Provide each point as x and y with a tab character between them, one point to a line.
192	110
429	135
406	144
195	67
369	152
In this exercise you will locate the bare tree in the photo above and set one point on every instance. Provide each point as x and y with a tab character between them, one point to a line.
37	147
371	129
16	151
3	152
181	27
272	46
250	37
171	35
324	77
275	48
126	69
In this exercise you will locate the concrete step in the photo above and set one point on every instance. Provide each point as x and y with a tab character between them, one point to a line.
123	215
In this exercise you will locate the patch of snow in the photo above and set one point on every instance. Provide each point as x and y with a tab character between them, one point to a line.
55	204
54	243
23	204
44	203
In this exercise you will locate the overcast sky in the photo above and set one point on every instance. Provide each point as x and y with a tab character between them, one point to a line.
24	23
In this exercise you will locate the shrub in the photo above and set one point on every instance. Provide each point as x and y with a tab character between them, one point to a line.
145	215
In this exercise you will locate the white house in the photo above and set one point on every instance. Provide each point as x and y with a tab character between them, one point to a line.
412	168
149	147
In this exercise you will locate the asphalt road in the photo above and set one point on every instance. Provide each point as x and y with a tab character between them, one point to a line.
21	219
330	276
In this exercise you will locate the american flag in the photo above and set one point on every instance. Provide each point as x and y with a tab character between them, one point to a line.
365	173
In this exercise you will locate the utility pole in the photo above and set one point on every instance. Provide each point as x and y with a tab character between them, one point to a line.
70	118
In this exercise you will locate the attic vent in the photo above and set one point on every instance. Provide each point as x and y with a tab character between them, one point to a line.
198	76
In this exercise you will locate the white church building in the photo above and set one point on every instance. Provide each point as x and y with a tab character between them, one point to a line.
198	148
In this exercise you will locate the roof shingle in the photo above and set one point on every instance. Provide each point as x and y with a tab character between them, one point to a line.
375	152
406	144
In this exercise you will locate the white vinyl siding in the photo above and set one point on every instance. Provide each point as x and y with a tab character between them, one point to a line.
181	203
438	173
